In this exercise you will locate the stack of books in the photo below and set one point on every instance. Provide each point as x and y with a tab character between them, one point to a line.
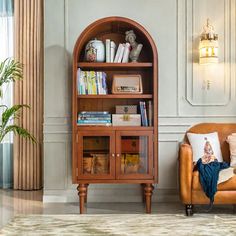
94	118
91	82
121	55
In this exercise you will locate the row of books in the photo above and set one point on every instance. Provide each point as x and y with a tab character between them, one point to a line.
121	55
146	117
91	82
104	118
94	118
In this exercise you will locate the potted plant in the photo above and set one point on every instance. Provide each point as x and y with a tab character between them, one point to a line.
10	71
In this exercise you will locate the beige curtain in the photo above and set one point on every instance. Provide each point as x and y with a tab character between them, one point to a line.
28	33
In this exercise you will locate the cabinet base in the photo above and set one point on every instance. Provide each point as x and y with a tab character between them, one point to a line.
147	190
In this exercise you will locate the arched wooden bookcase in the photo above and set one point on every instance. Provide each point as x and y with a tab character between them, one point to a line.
113	139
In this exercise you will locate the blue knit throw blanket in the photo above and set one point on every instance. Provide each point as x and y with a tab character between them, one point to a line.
208	175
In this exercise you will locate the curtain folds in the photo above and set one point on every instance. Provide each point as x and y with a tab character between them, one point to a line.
28	26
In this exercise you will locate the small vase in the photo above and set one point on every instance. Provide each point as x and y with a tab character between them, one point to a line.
95	51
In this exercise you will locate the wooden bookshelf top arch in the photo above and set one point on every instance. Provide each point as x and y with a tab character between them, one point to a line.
114	28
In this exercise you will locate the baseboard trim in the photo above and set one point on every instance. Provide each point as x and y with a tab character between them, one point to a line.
110	195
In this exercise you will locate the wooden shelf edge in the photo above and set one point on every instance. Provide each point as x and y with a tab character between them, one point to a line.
114	65
112	96
110	128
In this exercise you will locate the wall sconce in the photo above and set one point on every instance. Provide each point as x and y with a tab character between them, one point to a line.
208	47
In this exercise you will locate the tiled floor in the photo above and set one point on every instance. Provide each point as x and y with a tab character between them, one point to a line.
30	202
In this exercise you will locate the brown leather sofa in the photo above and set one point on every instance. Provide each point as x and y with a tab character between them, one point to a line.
190	188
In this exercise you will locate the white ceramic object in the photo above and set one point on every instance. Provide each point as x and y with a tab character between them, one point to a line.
95	51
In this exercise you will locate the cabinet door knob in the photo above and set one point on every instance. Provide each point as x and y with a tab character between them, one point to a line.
113	155
117	155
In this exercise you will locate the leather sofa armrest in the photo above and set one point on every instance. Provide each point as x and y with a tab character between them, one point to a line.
185	172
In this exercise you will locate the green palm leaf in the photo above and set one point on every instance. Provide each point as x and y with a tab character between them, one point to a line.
10	70
11	113
17	130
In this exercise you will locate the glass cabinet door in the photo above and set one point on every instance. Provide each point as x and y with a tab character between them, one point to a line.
134	155
96	155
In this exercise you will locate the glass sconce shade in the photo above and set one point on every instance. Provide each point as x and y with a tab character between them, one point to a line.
208	51
208	47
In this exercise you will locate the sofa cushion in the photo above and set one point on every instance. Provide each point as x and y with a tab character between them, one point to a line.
229	185
205	146
231	139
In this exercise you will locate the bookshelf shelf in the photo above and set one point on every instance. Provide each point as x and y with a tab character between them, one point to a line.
97	65
114	96
114	154
114	128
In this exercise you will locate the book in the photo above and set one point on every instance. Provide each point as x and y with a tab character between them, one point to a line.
94	115
143	112
94	112
121	53
125	58
92	124
93	121
150	113
112	51
118	53
108	49
104	84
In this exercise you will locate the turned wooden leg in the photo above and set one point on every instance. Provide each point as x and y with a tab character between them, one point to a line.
143	193
148	196
86	196
189	210
82	194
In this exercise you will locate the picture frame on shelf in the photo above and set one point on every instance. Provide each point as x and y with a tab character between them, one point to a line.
127	84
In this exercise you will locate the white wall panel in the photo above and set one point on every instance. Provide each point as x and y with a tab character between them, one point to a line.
55	164
195	97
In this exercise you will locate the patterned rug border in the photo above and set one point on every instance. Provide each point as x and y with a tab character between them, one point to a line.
121	224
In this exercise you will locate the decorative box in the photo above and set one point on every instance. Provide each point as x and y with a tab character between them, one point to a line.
126	109
126	120
130	145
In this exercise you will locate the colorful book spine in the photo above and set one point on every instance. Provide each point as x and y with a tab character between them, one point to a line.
91	82
143	113
93	121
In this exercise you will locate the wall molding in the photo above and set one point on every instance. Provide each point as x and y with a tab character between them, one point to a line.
187	18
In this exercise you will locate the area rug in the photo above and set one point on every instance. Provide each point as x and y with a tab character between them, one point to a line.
122	225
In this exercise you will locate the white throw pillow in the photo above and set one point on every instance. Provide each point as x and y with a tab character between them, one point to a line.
202	143
231	139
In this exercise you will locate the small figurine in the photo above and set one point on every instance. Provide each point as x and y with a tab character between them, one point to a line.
135	47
